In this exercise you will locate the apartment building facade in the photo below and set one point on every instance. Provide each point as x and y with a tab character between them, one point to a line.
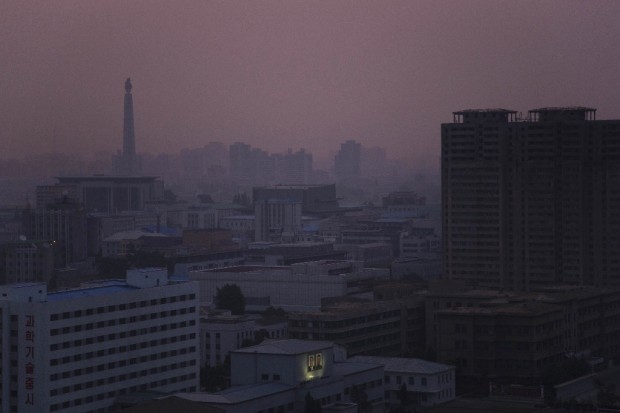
532	200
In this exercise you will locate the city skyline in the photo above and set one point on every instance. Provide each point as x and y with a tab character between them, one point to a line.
281	75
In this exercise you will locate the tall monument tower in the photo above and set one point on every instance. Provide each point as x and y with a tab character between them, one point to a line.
128	163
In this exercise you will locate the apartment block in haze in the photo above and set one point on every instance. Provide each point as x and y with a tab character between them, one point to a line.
531	200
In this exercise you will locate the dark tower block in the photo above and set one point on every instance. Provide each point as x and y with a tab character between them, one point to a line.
531	201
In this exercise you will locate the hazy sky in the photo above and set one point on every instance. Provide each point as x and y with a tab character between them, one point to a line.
291	74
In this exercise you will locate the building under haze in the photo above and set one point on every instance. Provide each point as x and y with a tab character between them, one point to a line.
103	193
531	201
347	162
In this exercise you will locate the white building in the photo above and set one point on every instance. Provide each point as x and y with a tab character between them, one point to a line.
276	375
78	350
222	334
427	383
299	287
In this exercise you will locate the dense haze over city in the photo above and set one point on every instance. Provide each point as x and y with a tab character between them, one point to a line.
238	206
292	74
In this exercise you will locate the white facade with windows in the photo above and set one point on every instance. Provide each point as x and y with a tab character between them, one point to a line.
427	383
78	350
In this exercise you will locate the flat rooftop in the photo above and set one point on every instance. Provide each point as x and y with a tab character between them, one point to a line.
247	268
110	287
100	178
237	394
405	365
287	347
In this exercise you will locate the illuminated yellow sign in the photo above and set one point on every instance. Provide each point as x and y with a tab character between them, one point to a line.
315	361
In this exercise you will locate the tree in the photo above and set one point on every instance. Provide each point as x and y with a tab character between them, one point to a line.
217	377
260	336
271	311
230	297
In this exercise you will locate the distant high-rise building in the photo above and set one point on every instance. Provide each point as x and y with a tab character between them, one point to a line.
531	201
249	166
62	225
293	167
347	162
128	162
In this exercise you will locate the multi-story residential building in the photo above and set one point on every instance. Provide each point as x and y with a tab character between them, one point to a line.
516	341
347	163
78	350
385	328
293	167
63	224
26	261
494	334
250	166
531	201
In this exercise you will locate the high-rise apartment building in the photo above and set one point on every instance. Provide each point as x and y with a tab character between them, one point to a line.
531	201
347	162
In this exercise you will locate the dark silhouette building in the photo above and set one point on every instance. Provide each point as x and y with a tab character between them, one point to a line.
531	201
347	162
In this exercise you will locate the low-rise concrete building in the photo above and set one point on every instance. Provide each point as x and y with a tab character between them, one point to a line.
299	287
427	383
